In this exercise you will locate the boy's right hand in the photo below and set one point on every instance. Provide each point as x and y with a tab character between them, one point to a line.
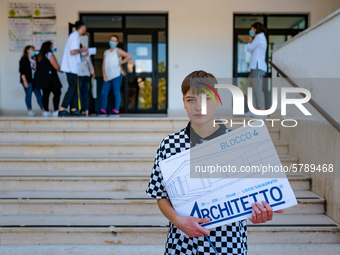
191	227
105	78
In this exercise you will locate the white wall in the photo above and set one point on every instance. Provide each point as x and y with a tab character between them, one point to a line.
312	61
200	36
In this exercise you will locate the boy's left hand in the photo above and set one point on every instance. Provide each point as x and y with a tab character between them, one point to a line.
262	214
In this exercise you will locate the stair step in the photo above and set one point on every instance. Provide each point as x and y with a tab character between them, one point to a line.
127	229
253	249
111	203
123	181
93	135
88	162
94	123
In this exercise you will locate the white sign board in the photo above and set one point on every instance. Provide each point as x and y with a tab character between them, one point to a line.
19	42
44	26
19	10
226	199
20	26
43	10
39	39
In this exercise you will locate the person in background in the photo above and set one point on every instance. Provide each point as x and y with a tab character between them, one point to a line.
27	67
257	46
70	65
47	78
86	71
113	75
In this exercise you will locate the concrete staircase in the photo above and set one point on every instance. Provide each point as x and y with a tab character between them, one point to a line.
72	185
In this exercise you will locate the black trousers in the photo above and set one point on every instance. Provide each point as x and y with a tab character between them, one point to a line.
56	97
71	96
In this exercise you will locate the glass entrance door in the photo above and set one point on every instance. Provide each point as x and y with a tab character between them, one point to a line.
144	36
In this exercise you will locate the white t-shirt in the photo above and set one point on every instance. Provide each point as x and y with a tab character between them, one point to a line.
71	63
112	67
86	67
32	63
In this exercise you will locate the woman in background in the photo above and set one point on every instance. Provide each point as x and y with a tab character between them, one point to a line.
47	78
113	75
257	46
27	71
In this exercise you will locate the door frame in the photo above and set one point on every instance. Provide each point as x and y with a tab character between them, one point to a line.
155	74
271	31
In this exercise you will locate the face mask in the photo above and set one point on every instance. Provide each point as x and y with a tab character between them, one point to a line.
112	44
32	53
54	50
251	33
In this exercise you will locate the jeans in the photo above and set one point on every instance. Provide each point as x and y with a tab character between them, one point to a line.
84	92
115	83
71	96
28	97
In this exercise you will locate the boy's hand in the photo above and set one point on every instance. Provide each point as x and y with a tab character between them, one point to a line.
191	227
262	214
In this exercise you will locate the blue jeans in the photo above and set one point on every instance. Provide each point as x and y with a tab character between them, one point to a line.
84	92
28	98
115	83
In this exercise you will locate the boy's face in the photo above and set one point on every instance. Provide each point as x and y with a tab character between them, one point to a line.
193	106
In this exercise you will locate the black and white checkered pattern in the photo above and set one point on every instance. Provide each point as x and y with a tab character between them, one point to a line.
228	239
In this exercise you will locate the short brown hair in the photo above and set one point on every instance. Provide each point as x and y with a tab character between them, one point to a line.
201	76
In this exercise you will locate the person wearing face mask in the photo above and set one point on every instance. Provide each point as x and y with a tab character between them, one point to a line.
257	46
113	75
70	65
47	78
27	67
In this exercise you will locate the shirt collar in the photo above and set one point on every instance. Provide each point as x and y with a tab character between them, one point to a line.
197	139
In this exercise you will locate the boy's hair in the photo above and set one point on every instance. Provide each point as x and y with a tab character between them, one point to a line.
194	81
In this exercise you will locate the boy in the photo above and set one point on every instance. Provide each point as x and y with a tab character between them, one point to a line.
228	239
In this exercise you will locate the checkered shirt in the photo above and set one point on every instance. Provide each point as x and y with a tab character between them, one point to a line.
228	239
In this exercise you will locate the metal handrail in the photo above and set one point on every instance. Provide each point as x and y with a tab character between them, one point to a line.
317	107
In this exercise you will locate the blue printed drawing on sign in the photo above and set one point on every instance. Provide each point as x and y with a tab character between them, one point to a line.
182	190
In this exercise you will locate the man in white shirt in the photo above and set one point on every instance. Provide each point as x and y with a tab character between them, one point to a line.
70	65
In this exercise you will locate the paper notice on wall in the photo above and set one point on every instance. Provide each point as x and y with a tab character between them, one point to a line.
19	10
44	10
19	42
39	39
20	26
44	26
143	65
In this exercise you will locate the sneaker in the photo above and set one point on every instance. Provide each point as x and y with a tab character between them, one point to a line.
55	113
63	114
114	113
46	114
31	113
77	114
102	113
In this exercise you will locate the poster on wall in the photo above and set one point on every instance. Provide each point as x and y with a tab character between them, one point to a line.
18	42
20	26
31	24
44	26
39	39
44	10
19	10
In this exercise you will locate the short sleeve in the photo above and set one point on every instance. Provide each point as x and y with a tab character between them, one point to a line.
156	187
74	43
